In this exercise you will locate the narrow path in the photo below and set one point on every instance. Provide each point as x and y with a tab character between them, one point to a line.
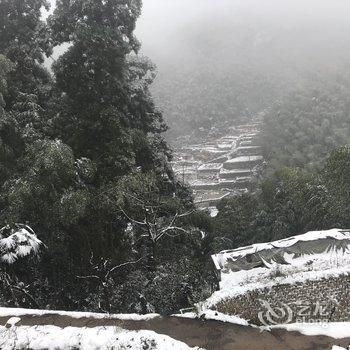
211	335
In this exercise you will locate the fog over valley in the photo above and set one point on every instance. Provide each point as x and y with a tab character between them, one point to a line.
229	59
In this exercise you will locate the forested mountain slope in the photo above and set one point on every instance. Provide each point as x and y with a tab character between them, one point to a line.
303	127
228	62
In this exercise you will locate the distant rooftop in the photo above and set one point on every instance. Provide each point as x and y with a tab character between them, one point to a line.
245	159
210	166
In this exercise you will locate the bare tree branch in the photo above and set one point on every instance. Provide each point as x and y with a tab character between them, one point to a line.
131	219
88	277
122	265
171	228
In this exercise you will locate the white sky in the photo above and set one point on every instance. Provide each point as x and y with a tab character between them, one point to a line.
168	15
165	24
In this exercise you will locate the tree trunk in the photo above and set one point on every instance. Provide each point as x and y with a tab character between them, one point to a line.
152	260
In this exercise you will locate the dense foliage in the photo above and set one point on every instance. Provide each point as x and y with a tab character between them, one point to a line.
301	129
226	61
84	162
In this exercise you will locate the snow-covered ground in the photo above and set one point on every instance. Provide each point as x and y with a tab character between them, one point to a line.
215	315
11	312
15	313
336	330
15	336
55	338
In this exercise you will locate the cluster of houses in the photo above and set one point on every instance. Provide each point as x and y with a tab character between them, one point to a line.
221	167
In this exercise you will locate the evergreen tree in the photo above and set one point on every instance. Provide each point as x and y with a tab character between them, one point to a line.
107	113
24	40
81	147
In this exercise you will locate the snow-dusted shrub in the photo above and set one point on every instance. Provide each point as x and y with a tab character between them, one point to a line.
17	242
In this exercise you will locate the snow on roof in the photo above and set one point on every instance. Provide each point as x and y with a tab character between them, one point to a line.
243	179
227	182
228	138
226	143
241	148
203	182
204	196
210	166
221	258
245	159
236	171
253	134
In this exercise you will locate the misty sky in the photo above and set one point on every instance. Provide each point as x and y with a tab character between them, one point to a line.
167	24
233	56
164	22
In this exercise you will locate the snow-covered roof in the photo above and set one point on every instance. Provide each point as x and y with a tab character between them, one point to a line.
203	182
210	196
243	148
210	167
235	171
225	145
312	256
278	248
245	159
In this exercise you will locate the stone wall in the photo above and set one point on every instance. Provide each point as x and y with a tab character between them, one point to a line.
312	301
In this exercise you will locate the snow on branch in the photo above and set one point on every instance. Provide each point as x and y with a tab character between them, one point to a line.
18	243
